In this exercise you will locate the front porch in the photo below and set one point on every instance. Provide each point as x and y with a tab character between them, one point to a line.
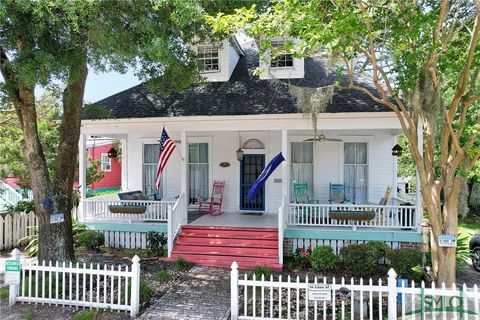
352	154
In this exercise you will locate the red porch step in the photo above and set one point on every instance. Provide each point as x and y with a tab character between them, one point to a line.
219	246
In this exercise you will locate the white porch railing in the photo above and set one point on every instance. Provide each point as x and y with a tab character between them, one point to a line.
398	217
97	209
177	215
9	194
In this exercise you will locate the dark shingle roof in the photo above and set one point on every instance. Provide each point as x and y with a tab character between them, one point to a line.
243	94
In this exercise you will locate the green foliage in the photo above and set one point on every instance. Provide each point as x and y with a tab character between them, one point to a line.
31	250
360	259
163	275
146	291
381	248
301	257
103	193
323	259
260	270
407	263
27	315
21	206
156	242
85	315
13	161
180	265
4	291
90	239
463	250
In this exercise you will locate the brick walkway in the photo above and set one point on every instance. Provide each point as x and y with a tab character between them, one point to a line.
205	294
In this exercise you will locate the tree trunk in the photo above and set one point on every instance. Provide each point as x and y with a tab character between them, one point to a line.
463	208
444	258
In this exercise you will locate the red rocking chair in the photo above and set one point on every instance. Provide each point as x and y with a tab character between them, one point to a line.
213	204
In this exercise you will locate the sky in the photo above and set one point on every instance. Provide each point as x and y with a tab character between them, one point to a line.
102	85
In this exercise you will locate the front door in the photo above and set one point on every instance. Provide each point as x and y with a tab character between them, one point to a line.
250	169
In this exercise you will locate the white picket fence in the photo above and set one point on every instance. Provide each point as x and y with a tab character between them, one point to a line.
15	226
80	285
253	298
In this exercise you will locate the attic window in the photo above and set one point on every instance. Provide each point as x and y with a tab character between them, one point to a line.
208	56
282	61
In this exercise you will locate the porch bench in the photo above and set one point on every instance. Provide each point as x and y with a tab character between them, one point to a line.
358	215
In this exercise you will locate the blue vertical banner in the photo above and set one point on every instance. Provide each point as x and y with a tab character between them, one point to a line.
269	168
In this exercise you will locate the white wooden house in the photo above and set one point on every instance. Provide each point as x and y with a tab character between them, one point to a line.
235	110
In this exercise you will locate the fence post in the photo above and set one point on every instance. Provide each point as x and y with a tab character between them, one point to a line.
392	294
14	289
135	294
234	291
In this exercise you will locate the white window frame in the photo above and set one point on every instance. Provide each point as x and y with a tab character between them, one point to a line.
153	164
105	164
367	187
208	141
202	51
287	56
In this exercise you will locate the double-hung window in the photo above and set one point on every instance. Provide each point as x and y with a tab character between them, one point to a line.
301	170
150	161
198	171
105	163
284	60
209	60
356	171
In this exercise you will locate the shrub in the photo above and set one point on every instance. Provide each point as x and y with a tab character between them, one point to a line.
180	265
21	206
381	247
360	259
92	240
85	315
156	242
260	270
302	257
4	292
323	259
406	263
163	275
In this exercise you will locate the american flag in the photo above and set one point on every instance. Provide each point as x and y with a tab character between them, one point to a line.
167	145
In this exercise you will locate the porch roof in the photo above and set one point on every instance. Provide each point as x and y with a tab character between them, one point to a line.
243	94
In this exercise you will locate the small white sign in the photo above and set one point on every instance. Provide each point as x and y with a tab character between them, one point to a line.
56	218
319	292
12	272
447	240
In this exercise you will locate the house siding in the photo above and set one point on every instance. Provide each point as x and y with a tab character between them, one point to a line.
112	179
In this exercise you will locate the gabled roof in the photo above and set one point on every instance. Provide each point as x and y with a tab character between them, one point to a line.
243	94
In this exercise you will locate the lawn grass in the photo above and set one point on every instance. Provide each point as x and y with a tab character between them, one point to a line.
469	226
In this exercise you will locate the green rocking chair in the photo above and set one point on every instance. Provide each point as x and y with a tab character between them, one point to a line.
302	196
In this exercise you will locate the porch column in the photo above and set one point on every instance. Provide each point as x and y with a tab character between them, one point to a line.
82	172
418	193
285	173
285	195
183	173
124	163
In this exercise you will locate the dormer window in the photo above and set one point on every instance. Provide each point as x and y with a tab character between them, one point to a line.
283	61
209	58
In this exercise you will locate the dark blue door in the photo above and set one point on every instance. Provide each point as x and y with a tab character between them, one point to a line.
250	169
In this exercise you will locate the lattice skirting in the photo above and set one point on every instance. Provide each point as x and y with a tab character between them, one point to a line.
125	239
290	245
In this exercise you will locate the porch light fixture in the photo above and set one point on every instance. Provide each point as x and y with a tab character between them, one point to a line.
112	153
397	151
239	154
